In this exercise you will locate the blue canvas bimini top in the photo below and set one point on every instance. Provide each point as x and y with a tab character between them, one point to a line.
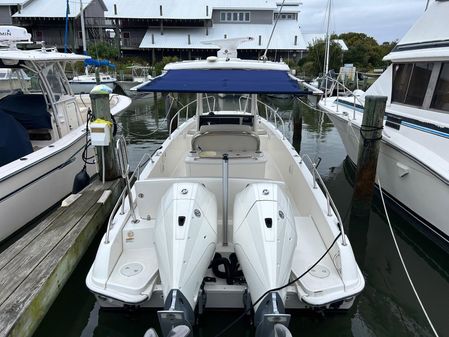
236	81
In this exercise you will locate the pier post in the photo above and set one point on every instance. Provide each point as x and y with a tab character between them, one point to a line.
297	124
101	110
369	145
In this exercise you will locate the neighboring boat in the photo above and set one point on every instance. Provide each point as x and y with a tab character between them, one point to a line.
226	189
12	80
83	84
42	134
139	75
414	154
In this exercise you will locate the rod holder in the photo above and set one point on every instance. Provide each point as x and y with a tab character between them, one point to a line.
225	198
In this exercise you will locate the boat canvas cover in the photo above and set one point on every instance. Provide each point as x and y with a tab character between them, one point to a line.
30	110
14	140
236	81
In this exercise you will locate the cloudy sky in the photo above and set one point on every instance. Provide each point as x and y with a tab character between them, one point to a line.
385	20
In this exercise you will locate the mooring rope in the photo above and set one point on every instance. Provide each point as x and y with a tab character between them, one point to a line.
402	260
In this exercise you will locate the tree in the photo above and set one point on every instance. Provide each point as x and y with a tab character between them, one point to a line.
159	66
313	63
103	50
364	51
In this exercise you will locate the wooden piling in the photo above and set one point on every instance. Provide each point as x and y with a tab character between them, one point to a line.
371	134
297	124
101	110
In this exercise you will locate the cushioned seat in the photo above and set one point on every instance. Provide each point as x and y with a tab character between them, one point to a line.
224	138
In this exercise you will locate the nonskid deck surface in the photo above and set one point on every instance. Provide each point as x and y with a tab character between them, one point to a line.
135	273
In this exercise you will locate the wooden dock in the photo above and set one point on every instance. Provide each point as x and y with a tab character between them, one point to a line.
35	268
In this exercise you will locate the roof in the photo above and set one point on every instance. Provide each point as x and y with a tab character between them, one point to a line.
243	81
52	8
176	9
341	44
431	26
39	55
178	38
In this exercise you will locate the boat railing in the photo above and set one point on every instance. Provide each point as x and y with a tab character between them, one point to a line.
348	92
177	115
317	180
122	157
271	114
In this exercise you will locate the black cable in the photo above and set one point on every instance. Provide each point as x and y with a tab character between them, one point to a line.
276	289
84	155
369	128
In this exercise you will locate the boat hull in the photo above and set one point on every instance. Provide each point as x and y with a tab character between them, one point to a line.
404	178
29	191
86	87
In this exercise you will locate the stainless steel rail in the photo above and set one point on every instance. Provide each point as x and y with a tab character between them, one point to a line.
330	203
273	115
178	113
123	163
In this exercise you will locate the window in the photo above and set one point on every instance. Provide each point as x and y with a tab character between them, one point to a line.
126	35
410	82
440	99
286	16
234	16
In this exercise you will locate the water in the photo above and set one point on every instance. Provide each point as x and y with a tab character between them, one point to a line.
387	306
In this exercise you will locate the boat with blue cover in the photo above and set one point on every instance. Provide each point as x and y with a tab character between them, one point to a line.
226	214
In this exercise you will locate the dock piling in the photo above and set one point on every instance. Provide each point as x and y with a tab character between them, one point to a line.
101	110
371	134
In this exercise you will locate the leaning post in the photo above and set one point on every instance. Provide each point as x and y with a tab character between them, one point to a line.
369	145
99	97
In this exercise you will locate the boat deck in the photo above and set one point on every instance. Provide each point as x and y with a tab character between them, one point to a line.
34	269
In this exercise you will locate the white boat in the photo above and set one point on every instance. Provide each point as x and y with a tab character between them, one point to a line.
43	133
83	84
226	189
13	79
413	162
139	75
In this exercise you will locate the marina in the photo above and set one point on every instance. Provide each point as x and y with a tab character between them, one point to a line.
232	185
385	308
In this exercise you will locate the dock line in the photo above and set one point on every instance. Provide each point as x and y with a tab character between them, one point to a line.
402	260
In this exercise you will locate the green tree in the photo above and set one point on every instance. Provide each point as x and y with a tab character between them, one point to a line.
159	66
313	63
103	50
364	51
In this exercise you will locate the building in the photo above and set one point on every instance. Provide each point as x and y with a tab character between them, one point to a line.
8	8
173	27
154	29
46	20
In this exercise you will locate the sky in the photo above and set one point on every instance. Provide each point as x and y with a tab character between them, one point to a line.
385	20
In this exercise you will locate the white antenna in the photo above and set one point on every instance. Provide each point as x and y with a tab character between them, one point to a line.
264	56
10	36
228	47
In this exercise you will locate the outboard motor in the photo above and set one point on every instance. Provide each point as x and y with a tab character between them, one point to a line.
265	240
185	239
